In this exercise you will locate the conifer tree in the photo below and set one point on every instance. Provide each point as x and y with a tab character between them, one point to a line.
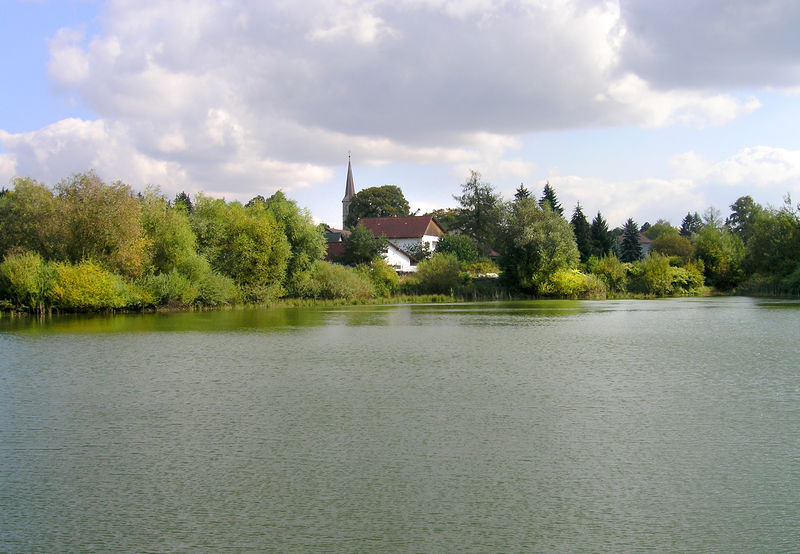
522	192
583	233
691	224
630	249
601	238
549	197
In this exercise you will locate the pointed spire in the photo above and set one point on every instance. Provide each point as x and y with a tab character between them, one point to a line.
349	189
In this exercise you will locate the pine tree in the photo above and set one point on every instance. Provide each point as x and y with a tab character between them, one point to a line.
601	238
691	224
630	249
522	192
549	197
583	233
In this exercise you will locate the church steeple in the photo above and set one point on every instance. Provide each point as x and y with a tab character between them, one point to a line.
349	192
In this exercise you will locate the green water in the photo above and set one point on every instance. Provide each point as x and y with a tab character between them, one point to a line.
667	425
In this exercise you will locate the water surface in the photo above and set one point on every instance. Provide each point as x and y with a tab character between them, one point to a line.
546	426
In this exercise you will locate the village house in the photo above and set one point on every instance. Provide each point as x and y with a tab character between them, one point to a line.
403	234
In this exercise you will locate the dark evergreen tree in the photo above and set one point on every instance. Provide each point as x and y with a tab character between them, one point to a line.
645	227
522	192
691	224
583	233
630	250
183	199
601	238
549	197
481	211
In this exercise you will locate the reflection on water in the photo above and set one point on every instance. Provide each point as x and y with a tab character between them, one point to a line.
545	426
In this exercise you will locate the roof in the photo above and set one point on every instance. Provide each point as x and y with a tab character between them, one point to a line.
403	227
349	188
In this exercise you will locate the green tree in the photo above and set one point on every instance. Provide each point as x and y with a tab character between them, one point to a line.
537	242
660	228
549	197
630	249
383	201
361	247
183	199
439	274
30	219
583	233
602	241
103	223
773	249
461	246
522	192
26	280
481	211
744	213
722	254
446	217
673	245
691	224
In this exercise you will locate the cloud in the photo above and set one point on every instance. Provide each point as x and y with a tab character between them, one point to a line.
247	97
757	166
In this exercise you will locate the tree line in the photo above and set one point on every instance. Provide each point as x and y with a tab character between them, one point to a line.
86	245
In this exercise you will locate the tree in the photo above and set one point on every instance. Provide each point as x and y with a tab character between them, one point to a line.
522	192
712	217
481	211
182	199
691	224
536	243
630	250
660	228
583	233
446	217
361	247
549	197
103	223
30	219
722	253
744	213
602	241
673	245
384	201
461	246
439	274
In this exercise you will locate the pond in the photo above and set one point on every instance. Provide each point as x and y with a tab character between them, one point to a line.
545	426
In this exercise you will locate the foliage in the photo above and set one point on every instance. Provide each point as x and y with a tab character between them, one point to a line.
656	276
481	268
30	220
361	247
602	241
583	233
481	211
744	213
722	254
522	192
26	280
439	274
550	199
672	245
660	228
171	288
183	201
103	223
691	224
610	270
461	246
774	244
87	286
333	281
446	217
246	245
419	251
383	201
383	277
571	283
537	242
630	249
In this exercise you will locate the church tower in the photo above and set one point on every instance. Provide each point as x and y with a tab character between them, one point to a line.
349	192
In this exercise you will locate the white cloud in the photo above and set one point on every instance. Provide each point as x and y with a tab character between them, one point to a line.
757	166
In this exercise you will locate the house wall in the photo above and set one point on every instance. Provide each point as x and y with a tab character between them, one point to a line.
407	243
398	260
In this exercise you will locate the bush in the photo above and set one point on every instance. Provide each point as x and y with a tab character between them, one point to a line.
655	275
171	288
332	281
383	278
612	272
439	274
26	280
87	286
571	283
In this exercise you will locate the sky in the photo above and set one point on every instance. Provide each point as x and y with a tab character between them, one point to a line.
635	108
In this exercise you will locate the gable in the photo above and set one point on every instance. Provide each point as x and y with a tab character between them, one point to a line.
402	227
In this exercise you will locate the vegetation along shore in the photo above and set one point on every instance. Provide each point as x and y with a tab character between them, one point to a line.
85	245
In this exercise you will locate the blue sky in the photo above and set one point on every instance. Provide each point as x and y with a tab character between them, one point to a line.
636	108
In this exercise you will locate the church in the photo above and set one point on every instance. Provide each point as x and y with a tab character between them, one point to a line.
402	233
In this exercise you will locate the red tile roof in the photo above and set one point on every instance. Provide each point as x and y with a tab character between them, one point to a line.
402	227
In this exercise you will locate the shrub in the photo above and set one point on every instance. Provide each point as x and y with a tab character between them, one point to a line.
439	274
26	280
87	286
610	271
171	288
332	281
571	283
383	278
